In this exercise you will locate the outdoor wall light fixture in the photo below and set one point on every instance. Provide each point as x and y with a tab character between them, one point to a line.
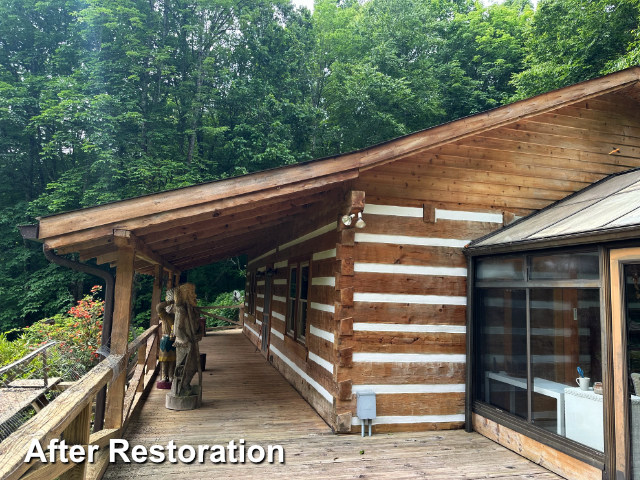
259	274
348	219
271	272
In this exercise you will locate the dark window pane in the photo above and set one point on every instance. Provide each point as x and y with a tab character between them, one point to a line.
500	269
569	266
304	282
302	320
291	311
565	335
293	283
502	349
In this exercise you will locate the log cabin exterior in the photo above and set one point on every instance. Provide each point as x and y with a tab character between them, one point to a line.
339	309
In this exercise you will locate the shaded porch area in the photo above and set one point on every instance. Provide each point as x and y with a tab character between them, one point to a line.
245	397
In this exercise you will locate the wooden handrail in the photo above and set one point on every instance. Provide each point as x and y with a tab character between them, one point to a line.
137	377
53	419
140	339
220	306
26	358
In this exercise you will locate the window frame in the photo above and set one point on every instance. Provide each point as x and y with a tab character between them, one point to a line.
293	320
520	425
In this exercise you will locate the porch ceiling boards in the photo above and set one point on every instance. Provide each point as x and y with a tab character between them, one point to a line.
532	152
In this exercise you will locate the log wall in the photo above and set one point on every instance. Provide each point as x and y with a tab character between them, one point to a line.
309	367
388	302
409	282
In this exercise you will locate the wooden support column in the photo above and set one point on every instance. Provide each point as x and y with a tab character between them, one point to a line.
78	433
155	320
120	334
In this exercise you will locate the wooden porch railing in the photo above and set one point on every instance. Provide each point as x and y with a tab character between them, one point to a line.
240	322
69	416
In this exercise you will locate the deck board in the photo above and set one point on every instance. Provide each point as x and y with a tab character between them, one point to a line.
245	397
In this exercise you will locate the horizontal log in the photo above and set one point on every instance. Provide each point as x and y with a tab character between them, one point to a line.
403	404
406	284
437	184
425	194
409	255
591	125
451	169
404	373
320	319
442	205
491	151
364	312
324	294
323	268
321	347
403	342
411	427
506	165
482	141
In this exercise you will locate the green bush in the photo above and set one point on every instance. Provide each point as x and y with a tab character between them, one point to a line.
230	313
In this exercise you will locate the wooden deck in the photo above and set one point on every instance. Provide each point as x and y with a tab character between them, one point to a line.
245	397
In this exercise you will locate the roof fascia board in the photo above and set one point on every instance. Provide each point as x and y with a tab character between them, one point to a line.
119	214
69	234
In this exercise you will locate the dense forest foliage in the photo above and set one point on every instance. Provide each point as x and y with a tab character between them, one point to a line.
102	100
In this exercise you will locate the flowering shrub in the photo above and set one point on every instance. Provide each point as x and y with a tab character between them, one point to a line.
78	334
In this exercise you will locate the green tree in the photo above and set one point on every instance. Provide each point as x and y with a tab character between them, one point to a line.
569	41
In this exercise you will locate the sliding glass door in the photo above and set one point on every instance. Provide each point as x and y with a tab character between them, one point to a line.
625	303
538	343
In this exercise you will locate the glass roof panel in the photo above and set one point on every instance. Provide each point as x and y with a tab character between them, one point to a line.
613	202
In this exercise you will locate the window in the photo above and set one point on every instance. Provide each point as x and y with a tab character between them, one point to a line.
291	299
297	301
534	336
301	328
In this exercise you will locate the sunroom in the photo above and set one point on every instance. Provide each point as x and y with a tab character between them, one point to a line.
553	328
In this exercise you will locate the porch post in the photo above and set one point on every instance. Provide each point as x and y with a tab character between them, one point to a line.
120	333
155	300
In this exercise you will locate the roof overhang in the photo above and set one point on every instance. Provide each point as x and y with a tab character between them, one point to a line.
209	221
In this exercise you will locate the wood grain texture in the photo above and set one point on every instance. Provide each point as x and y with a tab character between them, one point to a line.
416	227
120	334
558	462
409	255
247	398
406	284
409	313
404	373
402	342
